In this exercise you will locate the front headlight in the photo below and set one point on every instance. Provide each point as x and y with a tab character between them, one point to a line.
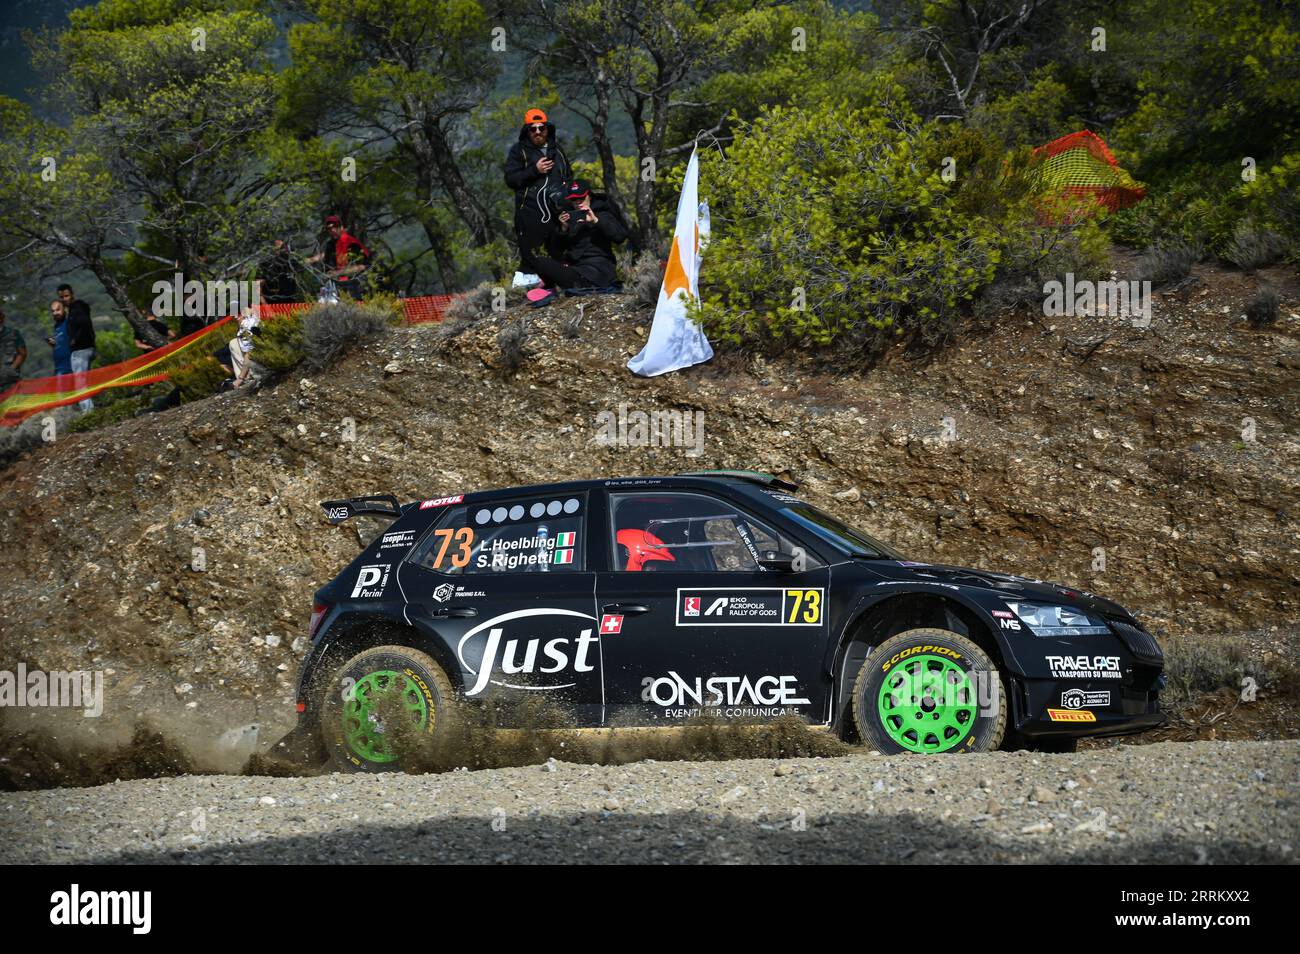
1045	619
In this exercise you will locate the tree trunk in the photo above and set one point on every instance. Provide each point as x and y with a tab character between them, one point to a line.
116	291
447	273
449	175
650	144
600	138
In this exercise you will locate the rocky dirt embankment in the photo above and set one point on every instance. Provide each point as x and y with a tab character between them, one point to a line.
1160	466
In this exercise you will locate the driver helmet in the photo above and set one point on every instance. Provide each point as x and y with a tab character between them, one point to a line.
641	547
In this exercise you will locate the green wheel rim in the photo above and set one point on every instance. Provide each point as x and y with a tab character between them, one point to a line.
927	704
362	728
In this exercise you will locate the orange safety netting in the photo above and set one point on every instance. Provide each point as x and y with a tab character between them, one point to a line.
29	396
1082	176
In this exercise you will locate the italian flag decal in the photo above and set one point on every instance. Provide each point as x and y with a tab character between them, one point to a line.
564	540
563	556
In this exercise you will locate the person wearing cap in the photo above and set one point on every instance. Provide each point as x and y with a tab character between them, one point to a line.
344	256
535	168
589	228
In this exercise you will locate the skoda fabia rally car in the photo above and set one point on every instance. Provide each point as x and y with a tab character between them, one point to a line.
653	601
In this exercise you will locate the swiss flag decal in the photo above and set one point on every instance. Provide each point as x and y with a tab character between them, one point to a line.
611	623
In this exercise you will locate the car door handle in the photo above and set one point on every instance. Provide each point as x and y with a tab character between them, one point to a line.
627	609
455	612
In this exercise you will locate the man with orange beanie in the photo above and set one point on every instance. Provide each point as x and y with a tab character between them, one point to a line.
537	169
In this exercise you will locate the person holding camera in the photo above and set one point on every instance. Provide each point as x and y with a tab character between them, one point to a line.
537	169
589	228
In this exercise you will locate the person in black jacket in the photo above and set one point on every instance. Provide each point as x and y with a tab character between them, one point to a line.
81	335
587	236
276	273
535	166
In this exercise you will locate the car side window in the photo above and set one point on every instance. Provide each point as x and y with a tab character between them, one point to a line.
688	532
527	535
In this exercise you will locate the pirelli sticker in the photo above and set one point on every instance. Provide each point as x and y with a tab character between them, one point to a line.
1071	715
750	606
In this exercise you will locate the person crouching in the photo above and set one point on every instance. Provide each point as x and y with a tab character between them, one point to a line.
589	228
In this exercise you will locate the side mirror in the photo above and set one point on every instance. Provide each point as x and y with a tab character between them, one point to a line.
776	561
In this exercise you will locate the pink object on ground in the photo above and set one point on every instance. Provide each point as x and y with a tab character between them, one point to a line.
539	294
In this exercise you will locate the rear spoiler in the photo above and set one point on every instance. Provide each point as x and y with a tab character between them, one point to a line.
376	505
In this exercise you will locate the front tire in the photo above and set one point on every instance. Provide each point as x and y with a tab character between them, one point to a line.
929	691
370	691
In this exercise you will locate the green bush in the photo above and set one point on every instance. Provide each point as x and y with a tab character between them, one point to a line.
279	346
200	379
834	225
1247	223
855	227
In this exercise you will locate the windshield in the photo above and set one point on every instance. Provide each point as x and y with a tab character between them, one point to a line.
839	533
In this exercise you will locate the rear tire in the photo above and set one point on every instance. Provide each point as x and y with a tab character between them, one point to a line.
394	679
921	691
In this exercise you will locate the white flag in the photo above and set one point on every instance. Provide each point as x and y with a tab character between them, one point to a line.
676	342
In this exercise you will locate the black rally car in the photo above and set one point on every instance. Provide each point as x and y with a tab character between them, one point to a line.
651	601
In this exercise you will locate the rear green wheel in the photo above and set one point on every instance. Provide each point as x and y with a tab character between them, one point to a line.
381	700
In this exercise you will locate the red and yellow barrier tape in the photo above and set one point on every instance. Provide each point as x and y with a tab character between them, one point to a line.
1080	166
30	396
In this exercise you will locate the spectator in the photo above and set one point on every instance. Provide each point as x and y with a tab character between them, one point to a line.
160	326
587	236
81	331
60	341
242	345
535	168
345	256
13	352
276	275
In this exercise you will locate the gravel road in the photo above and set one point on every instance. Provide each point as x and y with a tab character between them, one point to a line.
1211	802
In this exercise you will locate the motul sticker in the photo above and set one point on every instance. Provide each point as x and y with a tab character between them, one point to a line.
441	502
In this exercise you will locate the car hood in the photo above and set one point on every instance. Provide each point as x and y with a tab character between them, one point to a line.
1003	585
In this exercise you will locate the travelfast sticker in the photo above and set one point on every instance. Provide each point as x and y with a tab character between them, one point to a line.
1084	667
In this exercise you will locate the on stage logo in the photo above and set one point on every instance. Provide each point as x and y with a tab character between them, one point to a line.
103	907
